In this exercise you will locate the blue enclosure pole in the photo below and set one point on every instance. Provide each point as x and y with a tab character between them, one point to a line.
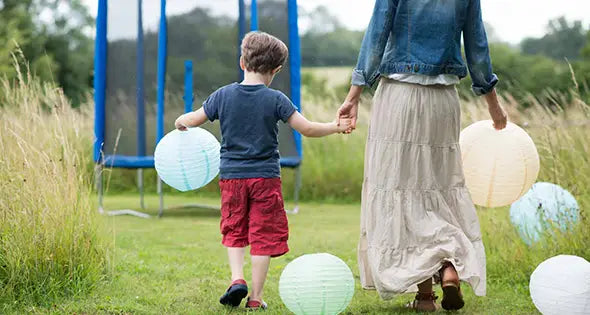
188	86
100	70
295	65
241	34
254	16
140	83
162	50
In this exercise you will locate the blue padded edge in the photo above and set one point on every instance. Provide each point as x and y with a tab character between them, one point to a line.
100	65
295	66
254	16
124	161
162	51
290	162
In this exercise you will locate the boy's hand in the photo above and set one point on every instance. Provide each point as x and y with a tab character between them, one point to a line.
344	125
180	124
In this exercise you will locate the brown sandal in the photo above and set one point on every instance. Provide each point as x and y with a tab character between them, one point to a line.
424	302
452	297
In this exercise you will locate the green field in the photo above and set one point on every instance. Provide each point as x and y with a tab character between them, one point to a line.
176	265
58	256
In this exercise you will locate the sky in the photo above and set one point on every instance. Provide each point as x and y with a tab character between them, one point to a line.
512	20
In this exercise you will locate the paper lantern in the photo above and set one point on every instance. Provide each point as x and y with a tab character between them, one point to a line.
499	166
316	284
543	205
187	160
561	285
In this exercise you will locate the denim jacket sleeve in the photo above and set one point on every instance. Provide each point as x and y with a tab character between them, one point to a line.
374	42
477	51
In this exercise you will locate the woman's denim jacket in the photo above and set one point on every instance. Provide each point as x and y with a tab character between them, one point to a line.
424	37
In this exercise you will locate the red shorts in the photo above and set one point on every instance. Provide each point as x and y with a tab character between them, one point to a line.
253	213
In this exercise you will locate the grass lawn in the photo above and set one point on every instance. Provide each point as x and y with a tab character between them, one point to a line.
176	265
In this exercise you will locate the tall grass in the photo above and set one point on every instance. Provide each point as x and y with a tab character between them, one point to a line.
50	237
562	137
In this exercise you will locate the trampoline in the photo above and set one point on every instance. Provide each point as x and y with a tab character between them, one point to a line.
154	60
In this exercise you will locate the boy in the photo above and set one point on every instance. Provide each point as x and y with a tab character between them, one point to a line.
252	210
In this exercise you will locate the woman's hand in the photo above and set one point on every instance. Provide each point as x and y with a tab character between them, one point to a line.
499	116
349	109
497	113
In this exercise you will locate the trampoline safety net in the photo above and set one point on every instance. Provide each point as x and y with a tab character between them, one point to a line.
203	31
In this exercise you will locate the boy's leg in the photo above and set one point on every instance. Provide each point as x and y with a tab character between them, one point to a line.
236	262
259	270
268	229
234	228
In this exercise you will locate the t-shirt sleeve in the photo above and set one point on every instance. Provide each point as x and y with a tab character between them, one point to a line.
211	106
285	108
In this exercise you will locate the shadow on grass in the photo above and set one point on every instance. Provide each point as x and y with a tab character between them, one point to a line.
192	211
183	212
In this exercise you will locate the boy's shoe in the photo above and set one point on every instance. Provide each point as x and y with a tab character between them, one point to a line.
253	305
235	293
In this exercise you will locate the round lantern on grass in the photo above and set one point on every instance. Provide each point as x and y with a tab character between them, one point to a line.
316	284
187	160
544	205
561	285
499	166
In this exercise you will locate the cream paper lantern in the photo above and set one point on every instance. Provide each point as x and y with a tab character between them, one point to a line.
561	285
499	166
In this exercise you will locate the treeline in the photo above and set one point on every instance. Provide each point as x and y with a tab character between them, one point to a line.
55	42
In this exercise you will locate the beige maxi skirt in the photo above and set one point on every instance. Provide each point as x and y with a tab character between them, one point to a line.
416	211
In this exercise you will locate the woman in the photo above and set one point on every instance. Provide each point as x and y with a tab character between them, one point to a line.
417	217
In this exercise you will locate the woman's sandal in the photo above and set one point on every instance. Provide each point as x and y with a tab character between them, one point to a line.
452	297
424	302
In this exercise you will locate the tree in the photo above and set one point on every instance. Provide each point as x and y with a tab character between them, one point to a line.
563	40
327	42
52	36
586	50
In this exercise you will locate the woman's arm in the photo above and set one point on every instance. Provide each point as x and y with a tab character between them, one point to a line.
496	111
315	129
190	120
477	50
374	42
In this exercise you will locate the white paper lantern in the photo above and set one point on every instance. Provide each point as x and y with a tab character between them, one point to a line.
561	285
499	166
316	284
187	160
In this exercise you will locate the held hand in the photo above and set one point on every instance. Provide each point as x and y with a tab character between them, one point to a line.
349	109
347	114
343	125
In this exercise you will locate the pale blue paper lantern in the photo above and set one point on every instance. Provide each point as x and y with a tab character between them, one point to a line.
316	284
545	204
187	160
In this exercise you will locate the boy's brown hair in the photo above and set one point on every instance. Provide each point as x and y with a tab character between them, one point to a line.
263	52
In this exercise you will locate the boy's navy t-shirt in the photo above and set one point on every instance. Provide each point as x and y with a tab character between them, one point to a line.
249	116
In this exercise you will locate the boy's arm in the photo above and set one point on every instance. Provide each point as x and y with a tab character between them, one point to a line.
315	129
190	120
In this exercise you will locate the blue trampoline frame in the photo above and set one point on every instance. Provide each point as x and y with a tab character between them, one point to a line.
141	160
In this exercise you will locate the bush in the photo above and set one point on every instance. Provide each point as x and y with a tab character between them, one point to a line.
51	240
